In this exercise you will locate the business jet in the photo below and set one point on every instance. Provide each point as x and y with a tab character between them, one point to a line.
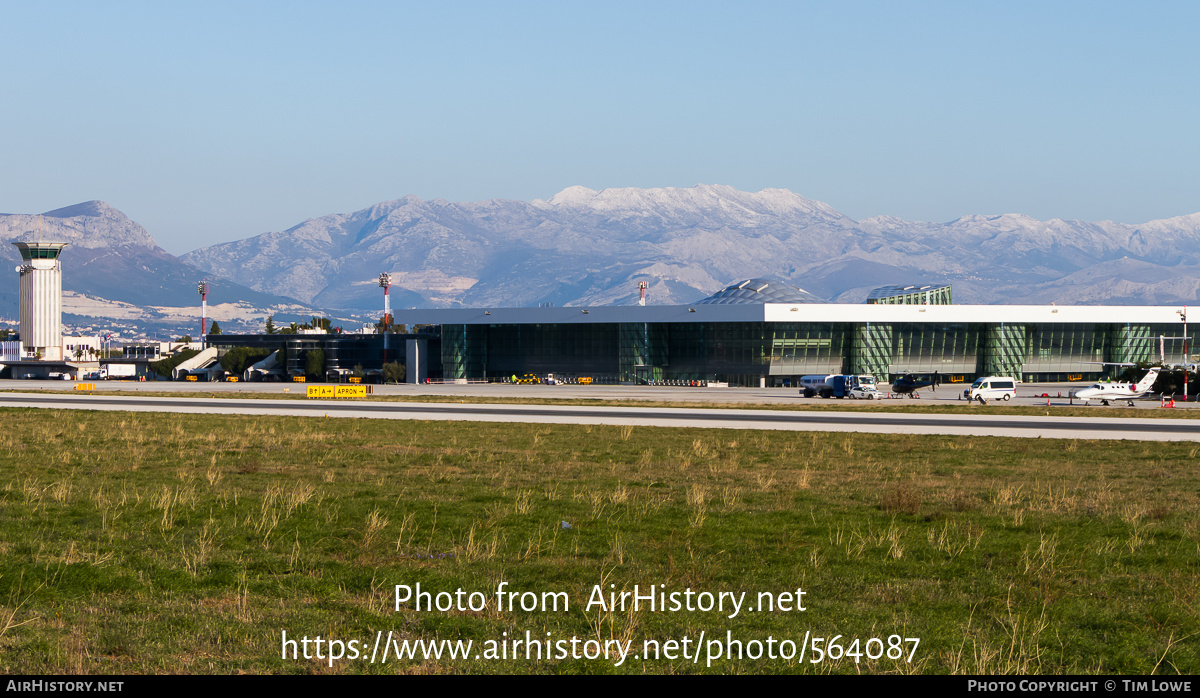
1118	391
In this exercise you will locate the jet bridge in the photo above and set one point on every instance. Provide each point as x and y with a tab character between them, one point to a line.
200	364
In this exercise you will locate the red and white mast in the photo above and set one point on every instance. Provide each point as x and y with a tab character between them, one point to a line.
203	289
642	286
385	281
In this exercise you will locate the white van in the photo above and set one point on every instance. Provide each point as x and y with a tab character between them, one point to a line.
992	387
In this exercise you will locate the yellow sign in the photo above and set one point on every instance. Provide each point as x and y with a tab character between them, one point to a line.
232	379
192	378
337	391
85	386
585	380
355	379
297	379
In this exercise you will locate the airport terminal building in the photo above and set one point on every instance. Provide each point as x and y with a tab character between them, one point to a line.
759	333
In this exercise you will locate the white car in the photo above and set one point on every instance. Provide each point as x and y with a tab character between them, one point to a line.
861	392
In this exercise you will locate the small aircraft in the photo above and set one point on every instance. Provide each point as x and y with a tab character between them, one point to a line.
1119	391
907	384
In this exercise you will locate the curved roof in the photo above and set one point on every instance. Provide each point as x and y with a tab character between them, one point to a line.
760	290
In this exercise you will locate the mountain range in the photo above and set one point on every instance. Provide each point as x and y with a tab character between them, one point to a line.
587	247
116	275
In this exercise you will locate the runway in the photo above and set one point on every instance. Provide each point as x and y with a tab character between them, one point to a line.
787	420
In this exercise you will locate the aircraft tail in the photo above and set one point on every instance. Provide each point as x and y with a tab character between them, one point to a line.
1148	381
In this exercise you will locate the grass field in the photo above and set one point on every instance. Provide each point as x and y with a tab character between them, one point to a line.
179	544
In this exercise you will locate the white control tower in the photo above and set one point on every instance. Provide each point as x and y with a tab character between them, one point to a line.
41	298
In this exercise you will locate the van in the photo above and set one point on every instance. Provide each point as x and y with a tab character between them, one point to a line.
992	387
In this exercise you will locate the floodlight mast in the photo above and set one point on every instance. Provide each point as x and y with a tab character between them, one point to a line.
385	281
202	288
1183	316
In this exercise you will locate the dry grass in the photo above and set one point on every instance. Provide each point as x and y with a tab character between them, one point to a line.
184	544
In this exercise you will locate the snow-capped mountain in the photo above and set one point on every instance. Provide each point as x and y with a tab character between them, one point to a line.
587	247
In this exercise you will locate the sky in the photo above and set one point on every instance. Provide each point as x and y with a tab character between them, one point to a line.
211	121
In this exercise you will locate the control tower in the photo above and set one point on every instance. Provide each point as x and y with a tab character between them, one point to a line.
41	298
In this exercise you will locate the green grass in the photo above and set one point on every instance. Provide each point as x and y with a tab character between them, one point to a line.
164	543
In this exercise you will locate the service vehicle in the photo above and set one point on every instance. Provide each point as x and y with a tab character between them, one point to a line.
834	384
111	372
992	388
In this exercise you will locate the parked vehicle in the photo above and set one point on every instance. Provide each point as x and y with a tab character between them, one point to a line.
864	392
992	388
834	385
110	372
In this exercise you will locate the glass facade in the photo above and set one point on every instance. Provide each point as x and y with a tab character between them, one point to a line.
35	250
805	348
1130	343
775	353
642	352
1004	350
928	348
734	352
464	351
1065	349
1171	350
871	349
911	295
499	351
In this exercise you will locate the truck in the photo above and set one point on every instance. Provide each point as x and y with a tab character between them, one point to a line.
110	372
834	384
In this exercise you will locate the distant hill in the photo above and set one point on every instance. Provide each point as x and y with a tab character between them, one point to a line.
111	260
585	247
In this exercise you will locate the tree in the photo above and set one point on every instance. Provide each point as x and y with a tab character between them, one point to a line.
185	339
163	367
216	329
314	363
271	325
393	372
392	328
238	359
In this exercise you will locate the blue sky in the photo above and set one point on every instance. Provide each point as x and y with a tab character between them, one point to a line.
211	121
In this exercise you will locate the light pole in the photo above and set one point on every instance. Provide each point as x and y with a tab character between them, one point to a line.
1183	316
